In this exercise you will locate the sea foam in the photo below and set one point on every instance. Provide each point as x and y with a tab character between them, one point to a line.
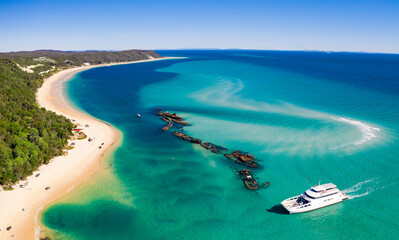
226	93
368	132
36	223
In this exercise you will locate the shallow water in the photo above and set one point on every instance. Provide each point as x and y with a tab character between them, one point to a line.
307	116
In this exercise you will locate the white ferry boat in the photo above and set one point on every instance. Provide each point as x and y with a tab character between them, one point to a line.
316	197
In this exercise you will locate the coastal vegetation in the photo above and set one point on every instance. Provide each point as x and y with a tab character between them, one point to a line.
46	62
81	136
29	135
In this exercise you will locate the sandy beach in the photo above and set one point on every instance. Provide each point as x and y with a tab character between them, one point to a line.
21	207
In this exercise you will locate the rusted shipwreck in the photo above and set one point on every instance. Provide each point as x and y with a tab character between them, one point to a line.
213	147
242	158
249	179
186	137
166	128
172	117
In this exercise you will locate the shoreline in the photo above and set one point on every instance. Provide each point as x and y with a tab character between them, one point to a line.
63	173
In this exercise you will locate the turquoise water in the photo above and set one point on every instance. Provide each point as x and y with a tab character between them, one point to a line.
307	116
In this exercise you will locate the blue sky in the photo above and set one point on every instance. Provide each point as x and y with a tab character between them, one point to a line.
363	25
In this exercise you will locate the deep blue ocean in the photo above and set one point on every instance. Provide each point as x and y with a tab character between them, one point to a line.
306	116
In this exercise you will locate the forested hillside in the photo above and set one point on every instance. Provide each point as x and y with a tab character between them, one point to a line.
30	136
46	62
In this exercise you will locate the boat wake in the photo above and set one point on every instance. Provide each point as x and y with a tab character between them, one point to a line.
365	188
359	188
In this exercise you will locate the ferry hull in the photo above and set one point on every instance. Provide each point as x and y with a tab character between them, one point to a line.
308	209
289	204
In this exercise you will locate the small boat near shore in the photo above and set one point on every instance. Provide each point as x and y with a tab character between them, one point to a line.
314	198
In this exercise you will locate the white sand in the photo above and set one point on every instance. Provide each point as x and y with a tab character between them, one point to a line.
28	69
62	173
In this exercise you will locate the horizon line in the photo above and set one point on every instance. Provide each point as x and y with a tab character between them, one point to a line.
209	49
